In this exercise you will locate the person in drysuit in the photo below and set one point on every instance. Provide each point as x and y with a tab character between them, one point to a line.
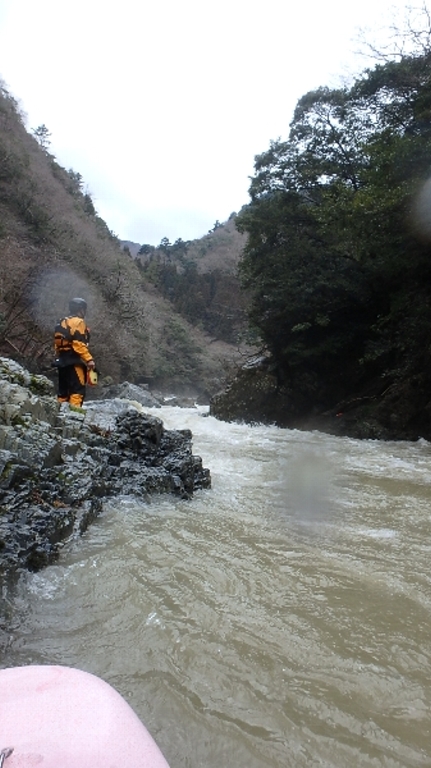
73	357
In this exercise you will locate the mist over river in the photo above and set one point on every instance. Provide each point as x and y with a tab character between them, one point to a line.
280	619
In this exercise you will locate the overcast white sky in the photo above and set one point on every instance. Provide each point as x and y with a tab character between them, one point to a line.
162	105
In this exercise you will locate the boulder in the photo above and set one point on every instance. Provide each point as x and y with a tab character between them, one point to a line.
57	465
131	392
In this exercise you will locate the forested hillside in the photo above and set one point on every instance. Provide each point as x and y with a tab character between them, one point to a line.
53	245
338	257
200	279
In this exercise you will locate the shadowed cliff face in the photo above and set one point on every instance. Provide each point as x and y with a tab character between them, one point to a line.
400	411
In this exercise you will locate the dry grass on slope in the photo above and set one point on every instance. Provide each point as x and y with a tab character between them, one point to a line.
219	249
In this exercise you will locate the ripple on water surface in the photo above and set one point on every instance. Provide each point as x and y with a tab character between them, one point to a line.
279	619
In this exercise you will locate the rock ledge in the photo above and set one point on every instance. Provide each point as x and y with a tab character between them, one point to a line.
57	465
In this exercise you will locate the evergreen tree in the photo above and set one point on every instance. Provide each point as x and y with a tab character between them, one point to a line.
333	257
43	136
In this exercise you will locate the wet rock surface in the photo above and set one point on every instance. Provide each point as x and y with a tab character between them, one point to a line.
57	465
399	410
125	391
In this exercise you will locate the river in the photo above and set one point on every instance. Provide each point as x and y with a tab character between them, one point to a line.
279	620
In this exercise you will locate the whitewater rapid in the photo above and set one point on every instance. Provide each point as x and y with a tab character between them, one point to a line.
279	619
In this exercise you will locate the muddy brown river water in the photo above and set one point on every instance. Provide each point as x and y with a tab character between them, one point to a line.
279	620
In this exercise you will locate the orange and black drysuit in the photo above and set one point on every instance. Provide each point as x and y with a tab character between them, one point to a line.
71	339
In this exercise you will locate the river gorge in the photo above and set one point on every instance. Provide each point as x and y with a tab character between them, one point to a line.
280	619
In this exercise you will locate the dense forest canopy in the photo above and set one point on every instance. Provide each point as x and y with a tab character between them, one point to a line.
338	257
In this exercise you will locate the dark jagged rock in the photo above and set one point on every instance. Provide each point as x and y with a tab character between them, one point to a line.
254	396
395	410
57	465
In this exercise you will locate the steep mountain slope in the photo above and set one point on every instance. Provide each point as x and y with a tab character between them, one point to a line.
200	279
221	248
53	245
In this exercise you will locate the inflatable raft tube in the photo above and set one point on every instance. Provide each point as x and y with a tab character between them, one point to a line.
57	717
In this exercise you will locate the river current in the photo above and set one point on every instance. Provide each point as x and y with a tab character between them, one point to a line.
280	620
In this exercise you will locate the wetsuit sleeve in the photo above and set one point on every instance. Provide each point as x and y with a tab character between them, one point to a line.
78	330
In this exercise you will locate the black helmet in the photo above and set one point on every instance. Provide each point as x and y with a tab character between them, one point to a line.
77	306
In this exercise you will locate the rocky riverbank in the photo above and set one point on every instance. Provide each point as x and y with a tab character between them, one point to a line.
57	465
